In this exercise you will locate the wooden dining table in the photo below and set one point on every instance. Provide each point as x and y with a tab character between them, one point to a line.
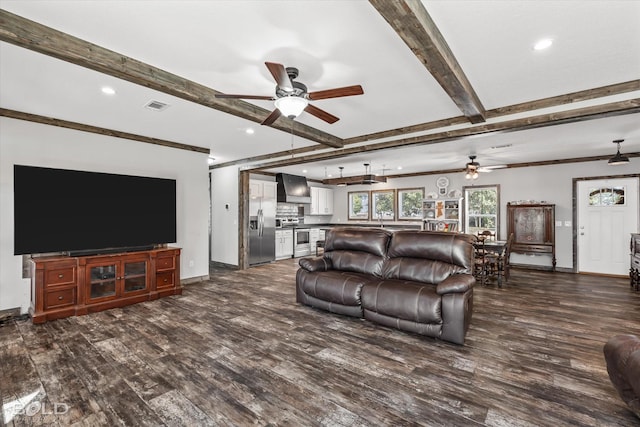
496	246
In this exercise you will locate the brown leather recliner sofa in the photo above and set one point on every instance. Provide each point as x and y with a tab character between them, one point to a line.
622	355
416	281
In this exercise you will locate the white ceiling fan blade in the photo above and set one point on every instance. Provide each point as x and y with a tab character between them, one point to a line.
486	169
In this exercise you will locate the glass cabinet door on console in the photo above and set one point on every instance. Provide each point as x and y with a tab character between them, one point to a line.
135	276
112	280
102	281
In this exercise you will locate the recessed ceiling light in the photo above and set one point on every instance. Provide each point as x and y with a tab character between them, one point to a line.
543	44
304	171
399	167
249	131
107	90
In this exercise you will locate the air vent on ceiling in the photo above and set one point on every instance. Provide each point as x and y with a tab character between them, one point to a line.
156	105
499	147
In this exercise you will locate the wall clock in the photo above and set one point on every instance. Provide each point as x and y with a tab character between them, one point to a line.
442	183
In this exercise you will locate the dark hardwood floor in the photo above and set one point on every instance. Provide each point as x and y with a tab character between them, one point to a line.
237	350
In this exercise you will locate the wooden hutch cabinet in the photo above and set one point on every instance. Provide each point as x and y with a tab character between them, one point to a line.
63	286
533	228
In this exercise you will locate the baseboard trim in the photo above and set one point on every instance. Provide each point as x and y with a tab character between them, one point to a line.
192	280
11	314
532	267
218	264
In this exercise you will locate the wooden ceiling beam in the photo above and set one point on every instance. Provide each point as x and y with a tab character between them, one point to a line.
516	165
568	98
19	115
410	20
619	108
31	35
584	95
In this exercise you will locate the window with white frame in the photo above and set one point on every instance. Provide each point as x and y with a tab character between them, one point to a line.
482	208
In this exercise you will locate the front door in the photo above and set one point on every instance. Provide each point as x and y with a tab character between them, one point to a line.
607	214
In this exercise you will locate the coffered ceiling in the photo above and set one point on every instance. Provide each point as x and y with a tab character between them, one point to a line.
441	79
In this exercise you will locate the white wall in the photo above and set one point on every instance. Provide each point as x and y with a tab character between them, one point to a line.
224	222
552	184
34	144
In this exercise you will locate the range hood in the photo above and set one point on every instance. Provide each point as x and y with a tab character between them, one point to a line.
293	189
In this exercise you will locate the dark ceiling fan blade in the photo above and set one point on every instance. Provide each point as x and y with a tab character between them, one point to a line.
336	93
321	114
280	75
224	95
271	117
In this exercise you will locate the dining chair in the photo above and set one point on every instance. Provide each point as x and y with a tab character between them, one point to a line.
498	263
487	235
504	266
480	262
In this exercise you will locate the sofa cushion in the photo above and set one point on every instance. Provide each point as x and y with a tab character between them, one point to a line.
360	250
315	264
428	257
341	287
403	299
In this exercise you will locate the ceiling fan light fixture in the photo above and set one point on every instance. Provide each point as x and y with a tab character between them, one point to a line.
471	169
291	106
618	159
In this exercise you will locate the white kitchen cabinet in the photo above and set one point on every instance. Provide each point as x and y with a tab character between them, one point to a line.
260	190
321	201
284	243
255	188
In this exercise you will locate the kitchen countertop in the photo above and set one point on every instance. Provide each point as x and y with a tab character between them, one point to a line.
393	226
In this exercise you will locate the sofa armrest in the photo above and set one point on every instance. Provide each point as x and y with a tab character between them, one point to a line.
315	264
458	283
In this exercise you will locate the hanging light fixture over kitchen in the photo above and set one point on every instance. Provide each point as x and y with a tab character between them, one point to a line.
618	159
341	184
367	178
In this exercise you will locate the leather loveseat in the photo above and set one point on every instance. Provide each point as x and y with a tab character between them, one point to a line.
622	355
416	281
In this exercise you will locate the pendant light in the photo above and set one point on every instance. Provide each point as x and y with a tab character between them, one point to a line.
618	159
341	184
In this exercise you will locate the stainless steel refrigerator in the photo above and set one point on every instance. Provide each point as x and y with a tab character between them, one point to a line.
262	222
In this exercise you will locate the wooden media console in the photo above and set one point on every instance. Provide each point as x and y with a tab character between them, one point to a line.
63	286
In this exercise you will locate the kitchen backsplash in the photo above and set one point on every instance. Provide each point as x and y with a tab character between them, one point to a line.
289	210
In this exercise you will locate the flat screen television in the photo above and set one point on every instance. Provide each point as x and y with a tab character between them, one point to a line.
80	212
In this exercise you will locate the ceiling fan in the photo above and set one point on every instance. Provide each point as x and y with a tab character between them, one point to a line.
472	168
292	98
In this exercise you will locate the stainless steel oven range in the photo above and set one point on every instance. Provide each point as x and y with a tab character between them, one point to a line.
301	242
